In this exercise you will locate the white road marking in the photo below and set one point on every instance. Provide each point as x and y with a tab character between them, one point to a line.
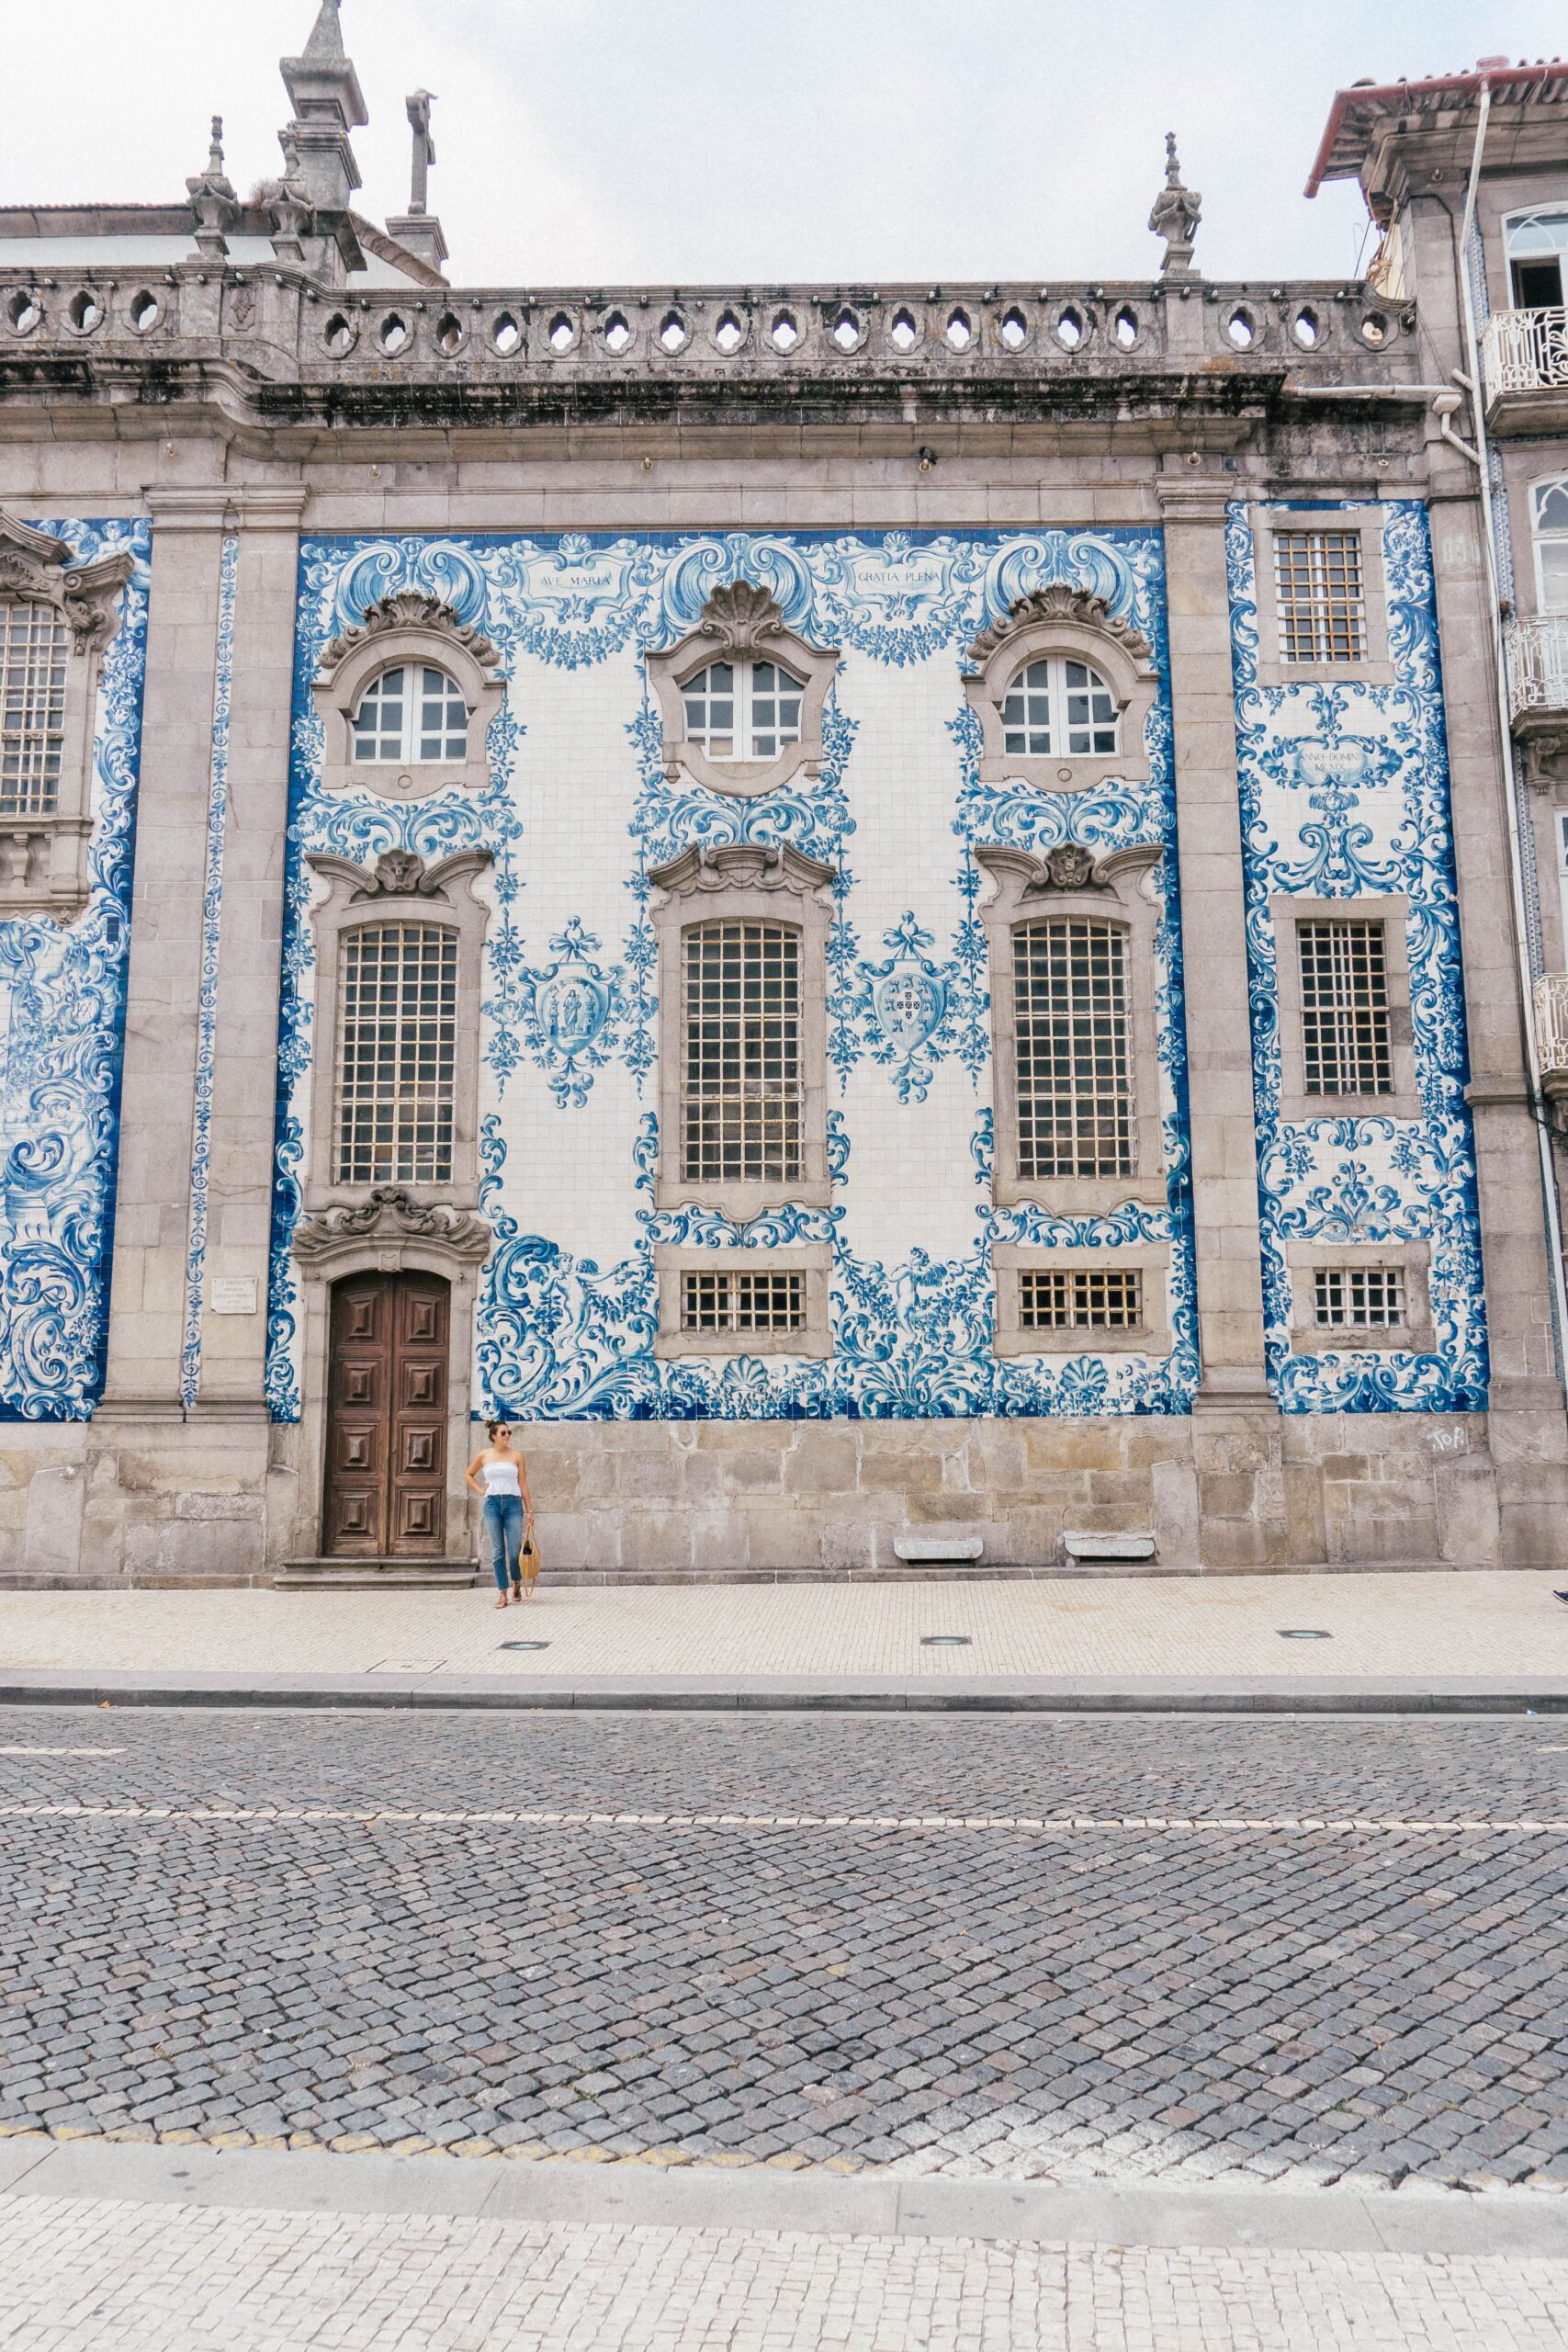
1045	1824
61	1751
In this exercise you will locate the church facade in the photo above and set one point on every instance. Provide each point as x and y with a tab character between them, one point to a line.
915	927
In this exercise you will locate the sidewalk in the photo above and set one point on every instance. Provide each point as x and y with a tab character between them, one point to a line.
1464	1639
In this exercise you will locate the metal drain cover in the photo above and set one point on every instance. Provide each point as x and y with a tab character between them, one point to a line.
524	1646
945	1642
1304	1633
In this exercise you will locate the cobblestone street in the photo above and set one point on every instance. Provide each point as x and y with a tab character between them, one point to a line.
1034	1949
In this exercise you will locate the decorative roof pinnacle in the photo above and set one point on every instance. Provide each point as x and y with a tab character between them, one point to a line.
1176	212
212	198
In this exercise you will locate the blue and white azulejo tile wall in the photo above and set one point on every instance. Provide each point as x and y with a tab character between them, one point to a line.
1345	794
62	1034
578	809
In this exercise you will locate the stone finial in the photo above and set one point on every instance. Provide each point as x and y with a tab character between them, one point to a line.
212	199
287	200
1175	214
418	229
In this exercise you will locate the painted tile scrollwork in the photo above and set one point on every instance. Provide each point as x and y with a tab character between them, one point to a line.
565	1332
61	1040
1345	793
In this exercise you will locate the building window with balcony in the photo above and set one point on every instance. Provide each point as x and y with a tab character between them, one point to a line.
1536	245
1323	613
1344	981
1548	532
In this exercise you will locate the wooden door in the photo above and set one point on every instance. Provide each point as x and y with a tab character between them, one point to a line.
386	1485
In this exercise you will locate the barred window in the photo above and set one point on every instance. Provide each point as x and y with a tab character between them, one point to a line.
1370	1297
1056	707
742	1301
32	709
743	710
396	1049
1075	1070
1323	613
1074	1298
741	1099
413	715
1345	1008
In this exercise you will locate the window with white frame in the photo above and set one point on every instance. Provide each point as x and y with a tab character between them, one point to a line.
414	715
1056	707
1072	1048
1537	246
1346	1046
1322	596
740	1015
1369	1298
32	709
397	1025
744	1300
1549	526
743	710
1081	1298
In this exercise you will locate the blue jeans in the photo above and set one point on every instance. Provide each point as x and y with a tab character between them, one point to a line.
504	1526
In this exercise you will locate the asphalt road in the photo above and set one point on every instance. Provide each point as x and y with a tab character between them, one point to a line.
1036	1947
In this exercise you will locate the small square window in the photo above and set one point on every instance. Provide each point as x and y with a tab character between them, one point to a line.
723	1300
1076	1298
1368	1298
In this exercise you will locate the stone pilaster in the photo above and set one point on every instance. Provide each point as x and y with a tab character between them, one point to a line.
1243	1503
245	1048
1528	1431
152	1196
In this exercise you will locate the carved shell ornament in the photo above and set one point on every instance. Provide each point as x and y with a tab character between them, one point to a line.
741	615
390	1214
408	610
36	566
1054	604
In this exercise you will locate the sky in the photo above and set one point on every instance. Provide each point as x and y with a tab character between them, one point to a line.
604	142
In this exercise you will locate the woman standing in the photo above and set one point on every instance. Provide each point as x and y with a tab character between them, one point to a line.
508	1511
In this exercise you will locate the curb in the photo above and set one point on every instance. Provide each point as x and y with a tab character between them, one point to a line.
1114	2212
798	1695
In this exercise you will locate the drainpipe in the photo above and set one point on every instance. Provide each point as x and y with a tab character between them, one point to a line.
1480	454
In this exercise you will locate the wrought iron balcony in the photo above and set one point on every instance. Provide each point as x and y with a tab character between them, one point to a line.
1551	1033
1537	669
1524	367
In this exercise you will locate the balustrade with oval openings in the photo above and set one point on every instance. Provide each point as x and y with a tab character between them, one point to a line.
958	332
450	335
86	311
146	311
784	331
1126	328
24	312
505	335
1071	328
1306	327
394	334
728	332
846	328
1240	327
1374	330
1012	329
904	329
616	333
563	333
674	334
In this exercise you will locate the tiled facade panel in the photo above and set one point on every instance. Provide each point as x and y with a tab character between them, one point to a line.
1345	798
62	1034
579	808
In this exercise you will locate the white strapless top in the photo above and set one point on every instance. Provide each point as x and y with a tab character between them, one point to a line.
501	1479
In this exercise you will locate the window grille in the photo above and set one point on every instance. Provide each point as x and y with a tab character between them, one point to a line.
1369	1297
742	1301
1345	1008
741	1106
1057	709
1323	614
1073	1298
743	710
1074	1053
397	1031
414	714
32	709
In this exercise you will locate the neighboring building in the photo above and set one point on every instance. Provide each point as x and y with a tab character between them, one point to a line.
884	913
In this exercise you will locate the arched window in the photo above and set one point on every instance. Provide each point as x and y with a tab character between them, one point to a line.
1072	1041
740	1094
1549	523
1056	707
743	710
33	640
413	714
397	1026
1538	258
